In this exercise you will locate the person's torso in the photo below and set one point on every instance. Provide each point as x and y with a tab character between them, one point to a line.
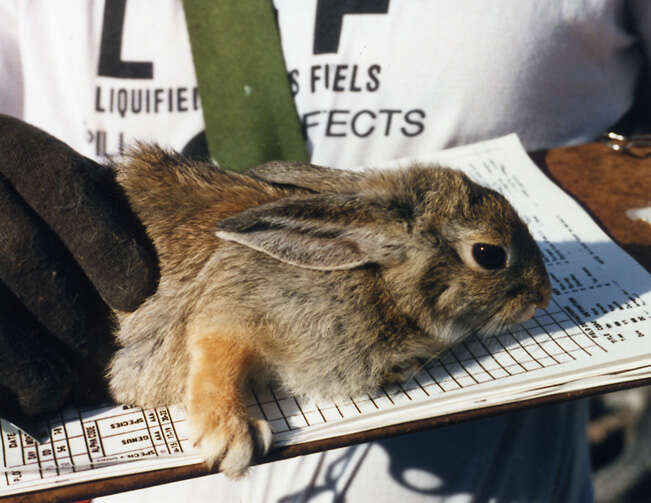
372	80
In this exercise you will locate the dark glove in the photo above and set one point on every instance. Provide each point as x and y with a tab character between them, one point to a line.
70	247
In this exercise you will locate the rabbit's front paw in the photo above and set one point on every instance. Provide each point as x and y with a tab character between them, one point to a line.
230	442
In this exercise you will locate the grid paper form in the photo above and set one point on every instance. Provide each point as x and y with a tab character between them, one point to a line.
85	439
551	340
596	330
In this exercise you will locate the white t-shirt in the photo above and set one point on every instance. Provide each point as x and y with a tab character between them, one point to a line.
58	75
377	81
427	74
373	80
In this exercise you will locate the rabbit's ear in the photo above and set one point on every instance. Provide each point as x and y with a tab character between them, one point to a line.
317	232
306	176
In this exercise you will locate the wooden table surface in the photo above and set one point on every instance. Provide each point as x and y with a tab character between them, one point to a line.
606	183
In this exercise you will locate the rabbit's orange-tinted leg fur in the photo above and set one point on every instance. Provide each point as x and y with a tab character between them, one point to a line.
218	421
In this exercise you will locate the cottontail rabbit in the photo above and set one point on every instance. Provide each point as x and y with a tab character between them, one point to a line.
330	281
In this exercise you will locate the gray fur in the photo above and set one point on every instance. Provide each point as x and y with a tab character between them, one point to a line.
337	281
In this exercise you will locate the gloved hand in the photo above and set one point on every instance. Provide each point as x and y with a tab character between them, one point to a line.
70	247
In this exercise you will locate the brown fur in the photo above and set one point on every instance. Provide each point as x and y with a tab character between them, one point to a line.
329	281
219	367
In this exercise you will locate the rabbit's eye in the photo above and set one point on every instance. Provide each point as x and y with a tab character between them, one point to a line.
489	256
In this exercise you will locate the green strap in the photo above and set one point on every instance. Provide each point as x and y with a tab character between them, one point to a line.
247	104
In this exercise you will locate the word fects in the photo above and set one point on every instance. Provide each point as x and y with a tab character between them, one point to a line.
363	123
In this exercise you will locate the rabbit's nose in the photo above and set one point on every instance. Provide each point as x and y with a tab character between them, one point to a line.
540	293
546	298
